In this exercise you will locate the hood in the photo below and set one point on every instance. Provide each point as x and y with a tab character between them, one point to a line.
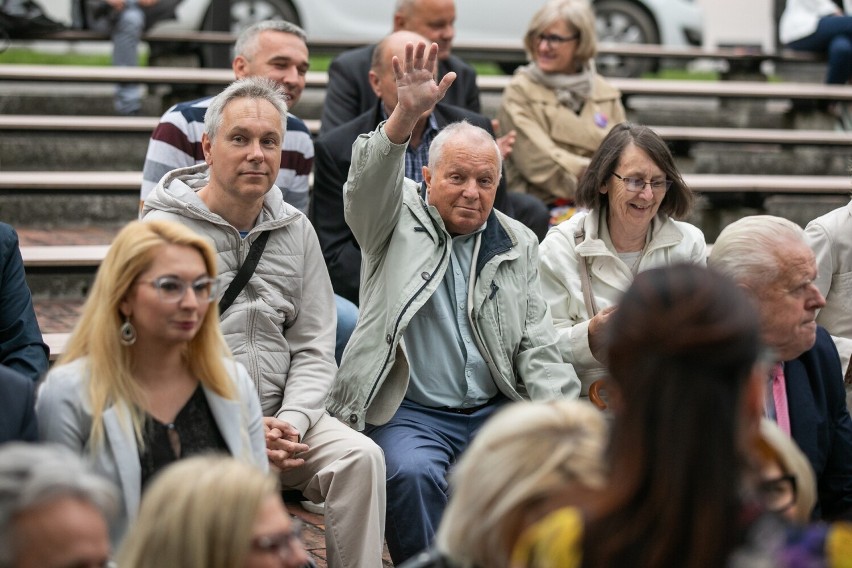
177	193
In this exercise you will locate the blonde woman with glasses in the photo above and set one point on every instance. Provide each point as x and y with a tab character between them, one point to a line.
244	526
146	378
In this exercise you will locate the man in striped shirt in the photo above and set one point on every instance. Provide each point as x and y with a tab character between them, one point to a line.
273	49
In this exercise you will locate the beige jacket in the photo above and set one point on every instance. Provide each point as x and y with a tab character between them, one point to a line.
405	249
282	325
554	144
830	237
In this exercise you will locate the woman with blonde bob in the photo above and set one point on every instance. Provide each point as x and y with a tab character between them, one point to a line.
558	105
522	463
213	512
146	378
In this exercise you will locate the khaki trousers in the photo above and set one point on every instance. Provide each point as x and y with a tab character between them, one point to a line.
345	469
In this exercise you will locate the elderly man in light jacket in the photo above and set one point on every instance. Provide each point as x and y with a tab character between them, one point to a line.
281	326
453	324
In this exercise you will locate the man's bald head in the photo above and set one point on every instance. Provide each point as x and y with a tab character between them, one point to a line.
433	19
382	79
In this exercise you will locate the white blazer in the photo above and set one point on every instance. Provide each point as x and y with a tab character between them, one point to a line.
64	415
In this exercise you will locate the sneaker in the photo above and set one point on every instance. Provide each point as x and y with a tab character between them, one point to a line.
315	508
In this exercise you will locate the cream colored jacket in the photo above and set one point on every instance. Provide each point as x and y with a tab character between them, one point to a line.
671	242
830	236
406	251
554	143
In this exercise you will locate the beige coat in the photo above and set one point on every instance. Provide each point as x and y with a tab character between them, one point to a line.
830	237
554	143
405	249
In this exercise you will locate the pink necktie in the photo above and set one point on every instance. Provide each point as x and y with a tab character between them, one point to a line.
779	395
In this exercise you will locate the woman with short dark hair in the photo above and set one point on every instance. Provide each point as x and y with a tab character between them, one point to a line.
634	194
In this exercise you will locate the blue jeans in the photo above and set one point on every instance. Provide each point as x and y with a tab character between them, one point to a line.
420	445
125	27
833	35
347	317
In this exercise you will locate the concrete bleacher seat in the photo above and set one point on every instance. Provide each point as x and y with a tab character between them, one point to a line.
690	134
701	183
487	83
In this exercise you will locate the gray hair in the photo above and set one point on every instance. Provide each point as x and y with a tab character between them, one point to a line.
750	250
576	14
258	88
33	474
462	129
246	44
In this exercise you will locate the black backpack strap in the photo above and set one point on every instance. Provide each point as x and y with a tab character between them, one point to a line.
244	274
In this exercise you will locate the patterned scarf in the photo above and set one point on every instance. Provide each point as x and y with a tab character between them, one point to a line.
571	90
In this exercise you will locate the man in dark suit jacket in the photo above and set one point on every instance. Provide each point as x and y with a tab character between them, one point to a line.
21	345
349	94
770	259
820	423
17	407
332	157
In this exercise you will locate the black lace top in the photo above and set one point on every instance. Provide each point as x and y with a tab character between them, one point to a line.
194	431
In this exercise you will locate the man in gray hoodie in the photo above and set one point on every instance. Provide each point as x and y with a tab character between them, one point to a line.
281	326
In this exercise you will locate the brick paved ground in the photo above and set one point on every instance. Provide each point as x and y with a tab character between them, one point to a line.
60	315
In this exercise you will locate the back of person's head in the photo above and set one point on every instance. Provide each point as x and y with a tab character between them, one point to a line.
776	447
577	14
246	44
96	335
198	513
524	457
682	345
34	476
750	250
254	88
604	162
390	45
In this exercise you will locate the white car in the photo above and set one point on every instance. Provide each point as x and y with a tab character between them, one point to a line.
496	22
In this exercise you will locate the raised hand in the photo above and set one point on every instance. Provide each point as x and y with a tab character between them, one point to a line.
417	91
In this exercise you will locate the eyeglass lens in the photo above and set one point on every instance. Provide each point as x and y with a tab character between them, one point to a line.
638	184
172	289
778	494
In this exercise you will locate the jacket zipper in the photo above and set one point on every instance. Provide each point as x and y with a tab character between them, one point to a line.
396	325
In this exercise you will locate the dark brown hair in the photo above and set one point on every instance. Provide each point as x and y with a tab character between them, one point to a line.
682	346
678	200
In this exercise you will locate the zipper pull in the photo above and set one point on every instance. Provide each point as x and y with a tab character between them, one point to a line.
494	289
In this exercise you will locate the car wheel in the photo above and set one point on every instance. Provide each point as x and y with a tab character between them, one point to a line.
247	12
623	21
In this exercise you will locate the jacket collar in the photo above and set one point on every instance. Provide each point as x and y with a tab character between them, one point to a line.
177	193
122	440
496	238
664	233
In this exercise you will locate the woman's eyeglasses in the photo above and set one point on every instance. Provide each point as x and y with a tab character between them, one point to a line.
778	493
638	184
172	289
284	544
555	40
